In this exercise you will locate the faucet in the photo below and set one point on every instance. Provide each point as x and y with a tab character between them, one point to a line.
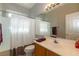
55	41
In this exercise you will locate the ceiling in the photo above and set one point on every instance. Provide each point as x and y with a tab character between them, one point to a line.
27	5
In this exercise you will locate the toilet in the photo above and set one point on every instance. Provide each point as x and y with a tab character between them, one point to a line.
29	50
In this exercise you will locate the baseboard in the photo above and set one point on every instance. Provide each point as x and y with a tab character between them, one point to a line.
5	53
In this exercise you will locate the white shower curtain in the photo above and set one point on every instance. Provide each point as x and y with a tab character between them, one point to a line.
42	28
22	30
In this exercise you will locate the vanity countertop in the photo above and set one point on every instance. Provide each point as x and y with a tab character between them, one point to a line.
64	47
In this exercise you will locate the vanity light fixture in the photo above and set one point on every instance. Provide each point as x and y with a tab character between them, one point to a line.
51	6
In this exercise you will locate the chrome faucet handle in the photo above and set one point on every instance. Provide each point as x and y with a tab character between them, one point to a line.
55	41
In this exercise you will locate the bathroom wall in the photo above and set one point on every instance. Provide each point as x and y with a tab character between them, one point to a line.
0	6
57	16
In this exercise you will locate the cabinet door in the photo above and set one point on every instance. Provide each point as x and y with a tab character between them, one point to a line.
39	50
50	53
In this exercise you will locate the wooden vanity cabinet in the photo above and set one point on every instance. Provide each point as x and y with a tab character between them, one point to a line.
49	53
41	51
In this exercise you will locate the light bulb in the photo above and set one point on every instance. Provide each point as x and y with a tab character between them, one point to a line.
9	15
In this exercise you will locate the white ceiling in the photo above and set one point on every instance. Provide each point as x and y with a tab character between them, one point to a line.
27	5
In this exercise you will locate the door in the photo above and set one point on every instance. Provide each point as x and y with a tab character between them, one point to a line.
72	26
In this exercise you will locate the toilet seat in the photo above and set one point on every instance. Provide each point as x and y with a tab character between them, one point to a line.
29	50
30	47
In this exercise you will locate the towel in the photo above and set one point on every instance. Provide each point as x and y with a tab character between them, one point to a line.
41	39
1	39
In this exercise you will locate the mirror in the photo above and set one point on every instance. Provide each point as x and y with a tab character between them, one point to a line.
64	20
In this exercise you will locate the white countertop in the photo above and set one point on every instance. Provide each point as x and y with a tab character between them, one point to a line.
64	47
